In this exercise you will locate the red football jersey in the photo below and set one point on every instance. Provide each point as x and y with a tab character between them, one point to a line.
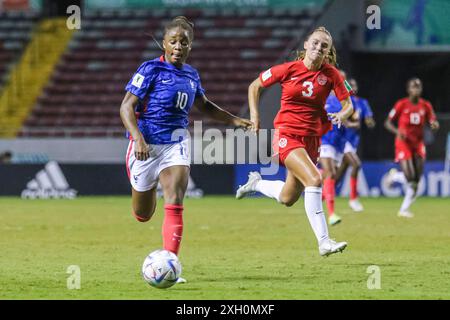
412	118
304	93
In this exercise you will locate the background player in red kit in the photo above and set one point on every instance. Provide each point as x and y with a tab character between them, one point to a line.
411	113
301	121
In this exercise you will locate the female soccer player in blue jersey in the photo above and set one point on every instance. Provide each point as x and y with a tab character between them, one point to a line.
331	150
352	135
162	91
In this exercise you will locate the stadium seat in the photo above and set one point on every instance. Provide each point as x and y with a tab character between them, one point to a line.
83	96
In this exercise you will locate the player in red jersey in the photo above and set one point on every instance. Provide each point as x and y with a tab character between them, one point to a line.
301	121
412	114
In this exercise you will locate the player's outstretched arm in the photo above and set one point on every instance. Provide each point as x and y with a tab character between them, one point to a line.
129	103
353	121
254	92
213	111
347	109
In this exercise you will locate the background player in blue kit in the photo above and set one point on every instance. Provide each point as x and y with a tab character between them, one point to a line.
163	91
352	135
331	149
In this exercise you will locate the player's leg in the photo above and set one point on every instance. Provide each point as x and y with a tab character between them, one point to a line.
143	203
291	191
418	163
255	183
329	185
299	163
286	193
342	169
410	174
174	181
355	164
408	169
143	180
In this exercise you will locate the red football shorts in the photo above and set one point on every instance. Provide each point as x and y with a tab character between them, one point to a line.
405	151
283	143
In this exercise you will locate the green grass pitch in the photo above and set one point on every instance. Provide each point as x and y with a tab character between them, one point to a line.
247	249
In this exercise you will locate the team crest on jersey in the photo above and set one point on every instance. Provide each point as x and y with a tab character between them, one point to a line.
322	79
282	143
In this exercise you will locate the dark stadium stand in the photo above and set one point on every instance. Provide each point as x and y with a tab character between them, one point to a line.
15	32
230	48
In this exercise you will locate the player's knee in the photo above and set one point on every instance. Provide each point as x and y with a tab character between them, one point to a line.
141	218
316	181
143	215
174	197
289	203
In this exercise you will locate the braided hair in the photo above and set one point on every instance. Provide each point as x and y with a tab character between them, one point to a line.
183	23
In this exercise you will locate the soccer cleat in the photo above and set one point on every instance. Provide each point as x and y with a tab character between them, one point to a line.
356	205
253	178
181	280
334	219
329	246
390	176
405	214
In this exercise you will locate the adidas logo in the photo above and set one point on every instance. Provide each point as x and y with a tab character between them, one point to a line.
49	183
191	191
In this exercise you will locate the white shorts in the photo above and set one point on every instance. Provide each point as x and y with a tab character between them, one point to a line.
144	175
349	148
328	151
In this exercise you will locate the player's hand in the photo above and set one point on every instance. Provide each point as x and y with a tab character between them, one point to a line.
401	135
336	118
141	150
242	123
434	125
255	124
370	123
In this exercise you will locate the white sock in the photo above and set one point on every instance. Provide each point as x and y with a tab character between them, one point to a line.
269	188
314	211
409	197
399	177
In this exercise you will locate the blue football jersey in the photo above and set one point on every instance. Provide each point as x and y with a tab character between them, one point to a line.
166	95
361	105
334	137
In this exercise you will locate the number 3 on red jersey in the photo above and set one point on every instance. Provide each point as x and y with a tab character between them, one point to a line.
309	89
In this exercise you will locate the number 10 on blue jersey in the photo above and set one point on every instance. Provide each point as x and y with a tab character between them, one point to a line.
182	99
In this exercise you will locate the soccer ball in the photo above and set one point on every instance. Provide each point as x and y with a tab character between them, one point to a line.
161	269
